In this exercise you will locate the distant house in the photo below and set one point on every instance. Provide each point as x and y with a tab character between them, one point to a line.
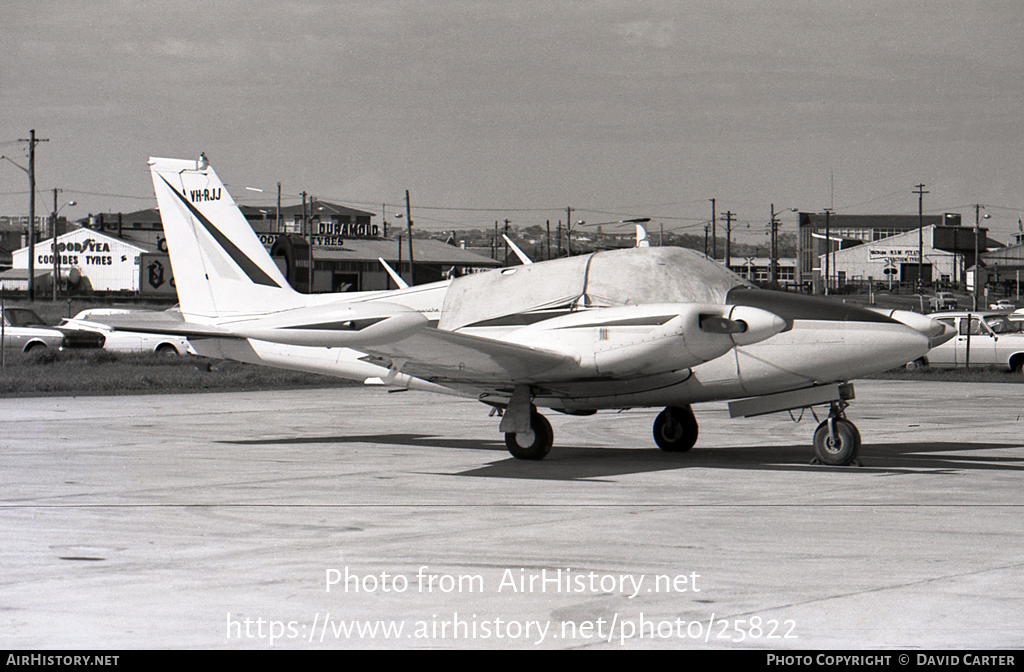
9	241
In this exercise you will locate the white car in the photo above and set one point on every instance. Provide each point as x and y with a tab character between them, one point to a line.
127	341
984	339
943	301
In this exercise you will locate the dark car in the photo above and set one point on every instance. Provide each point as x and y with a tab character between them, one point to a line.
76	339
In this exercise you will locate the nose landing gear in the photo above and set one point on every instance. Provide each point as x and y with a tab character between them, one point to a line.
836	440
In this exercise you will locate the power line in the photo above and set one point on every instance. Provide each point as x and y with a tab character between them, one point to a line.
870	200
95	193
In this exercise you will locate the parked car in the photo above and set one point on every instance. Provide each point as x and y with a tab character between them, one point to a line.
117	340
984	338
1002	304
943	301
25	331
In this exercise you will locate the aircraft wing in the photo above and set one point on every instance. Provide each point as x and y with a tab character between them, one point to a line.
428	353
160	323
438	355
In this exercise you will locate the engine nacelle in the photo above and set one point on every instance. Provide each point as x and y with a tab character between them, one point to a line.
628	341
937	332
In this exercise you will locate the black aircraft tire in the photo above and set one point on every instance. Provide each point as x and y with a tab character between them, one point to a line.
917	365
675	429
839	453
543	438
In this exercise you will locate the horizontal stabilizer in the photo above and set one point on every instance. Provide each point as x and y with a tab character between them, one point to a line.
160	323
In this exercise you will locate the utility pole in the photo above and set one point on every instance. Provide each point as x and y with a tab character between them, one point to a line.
56	252
919	190
568	232
277	218
977	256
309	244
714	235
506	242
549	239
828	247
408	225
773	274
32	142
729	215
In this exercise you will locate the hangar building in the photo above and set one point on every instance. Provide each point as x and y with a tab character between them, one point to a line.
88	260
846	231
894	259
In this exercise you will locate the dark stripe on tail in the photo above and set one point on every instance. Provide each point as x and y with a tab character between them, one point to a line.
248	266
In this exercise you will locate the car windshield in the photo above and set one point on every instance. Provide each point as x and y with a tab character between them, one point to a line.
1000	324
23	317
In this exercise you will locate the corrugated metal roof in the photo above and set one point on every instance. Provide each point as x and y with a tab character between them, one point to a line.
22	273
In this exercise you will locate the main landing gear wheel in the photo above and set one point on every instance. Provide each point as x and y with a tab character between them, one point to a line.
836	442
675	429
532	445
918	364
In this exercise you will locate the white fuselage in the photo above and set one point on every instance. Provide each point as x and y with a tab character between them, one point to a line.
812	351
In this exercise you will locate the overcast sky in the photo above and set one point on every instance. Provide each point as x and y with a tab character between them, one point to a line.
494	110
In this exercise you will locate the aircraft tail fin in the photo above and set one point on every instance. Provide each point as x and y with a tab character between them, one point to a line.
643	239
525	260
221	269
402	284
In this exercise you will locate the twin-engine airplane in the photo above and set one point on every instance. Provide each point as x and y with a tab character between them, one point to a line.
640	327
